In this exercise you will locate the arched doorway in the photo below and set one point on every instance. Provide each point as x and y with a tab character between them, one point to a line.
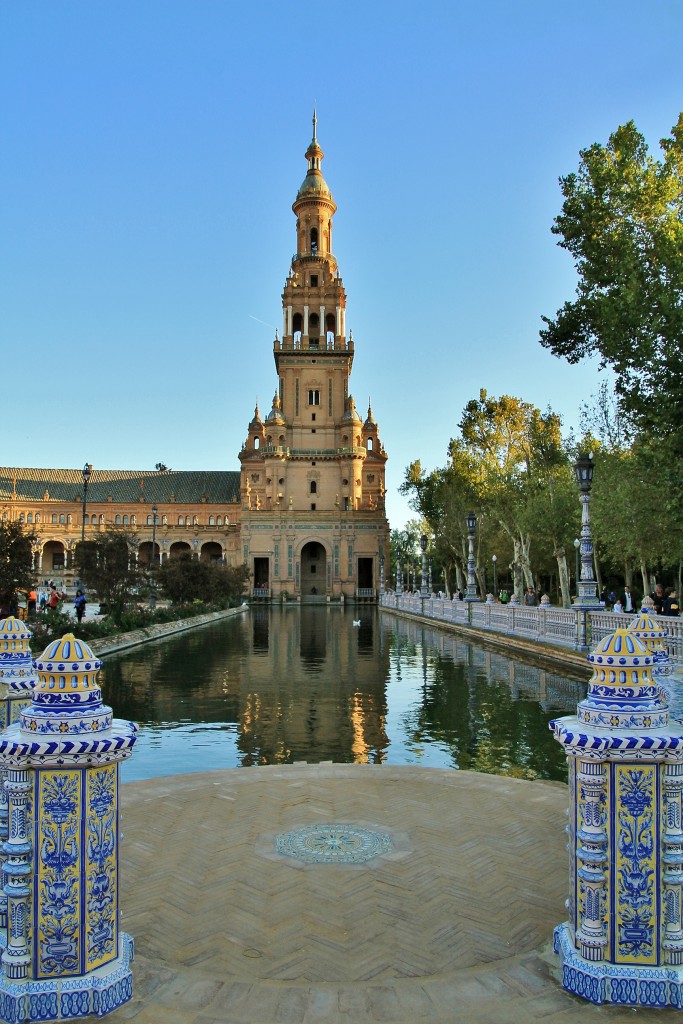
313	569
54	557
145	553
180	547
211	552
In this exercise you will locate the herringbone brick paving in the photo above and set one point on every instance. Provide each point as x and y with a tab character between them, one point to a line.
453	925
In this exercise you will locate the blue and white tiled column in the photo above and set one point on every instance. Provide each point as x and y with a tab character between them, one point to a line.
65	955
17	679
623	942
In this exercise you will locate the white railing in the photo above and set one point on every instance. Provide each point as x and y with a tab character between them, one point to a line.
603	623
547	624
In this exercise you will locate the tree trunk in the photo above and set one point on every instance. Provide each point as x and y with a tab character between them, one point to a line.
518	571
628	575
481	580
525	549
563	577
645	579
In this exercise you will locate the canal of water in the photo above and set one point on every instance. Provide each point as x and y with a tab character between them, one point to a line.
280	685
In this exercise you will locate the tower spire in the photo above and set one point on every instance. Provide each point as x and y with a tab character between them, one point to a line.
315	124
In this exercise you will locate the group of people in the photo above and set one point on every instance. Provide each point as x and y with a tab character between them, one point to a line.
40	599
665	601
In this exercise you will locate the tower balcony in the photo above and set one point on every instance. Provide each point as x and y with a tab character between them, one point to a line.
282	451
325	345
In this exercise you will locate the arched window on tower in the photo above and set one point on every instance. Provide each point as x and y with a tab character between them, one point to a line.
371	444
257	442
314	239
314	330
314	487
297	327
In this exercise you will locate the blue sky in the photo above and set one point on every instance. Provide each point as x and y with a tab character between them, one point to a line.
150	154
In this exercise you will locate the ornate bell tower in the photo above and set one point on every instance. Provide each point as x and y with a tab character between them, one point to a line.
312	482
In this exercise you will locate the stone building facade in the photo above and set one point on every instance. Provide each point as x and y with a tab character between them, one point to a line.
312	489
196	513
306	510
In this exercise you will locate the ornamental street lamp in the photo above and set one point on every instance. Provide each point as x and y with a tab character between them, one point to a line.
87	470
577	545
586	587
381	574
471	594
399	578
494	559
153	559
423	585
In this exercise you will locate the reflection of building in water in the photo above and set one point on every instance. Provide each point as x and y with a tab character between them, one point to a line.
321	692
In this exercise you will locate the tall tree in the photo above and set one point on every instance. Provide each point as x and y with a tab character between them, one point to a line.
622	221
15	560
106	566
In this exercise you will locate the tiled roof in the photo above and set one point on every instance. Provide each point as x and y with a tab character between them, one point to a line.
121	485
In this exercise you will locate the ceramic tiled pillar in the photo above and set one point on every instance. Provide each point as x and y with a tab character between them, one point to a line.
17	679
623	942
65	956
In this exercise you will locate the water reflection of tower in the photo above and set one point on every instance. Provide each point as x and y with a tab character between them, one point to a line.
320	694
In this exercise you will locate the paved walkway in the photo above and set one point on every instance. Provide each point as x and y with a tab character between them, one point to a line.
451	921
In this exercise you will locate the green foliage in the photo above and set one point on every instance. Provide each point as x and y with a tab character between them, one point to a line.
15	560
185	579
512	467
622	221
106	566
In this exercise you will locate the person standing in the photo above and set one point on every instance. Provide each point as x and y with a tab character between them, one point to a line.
79	605
628	601
671	605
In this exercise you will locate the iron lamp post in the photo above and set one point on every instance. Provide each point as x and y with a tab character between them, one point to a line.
152	560
87	470
381	574
471	594
586	585
423	583
577	545
494	559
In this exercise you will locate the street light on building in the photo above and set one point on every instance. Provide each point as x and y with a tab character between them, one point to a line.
471	594
154	535
87	471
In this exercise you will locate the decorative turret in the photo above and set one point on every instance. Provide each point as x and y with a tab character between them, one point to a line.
351	414
623	940
653	637
64	953
275	417
16	660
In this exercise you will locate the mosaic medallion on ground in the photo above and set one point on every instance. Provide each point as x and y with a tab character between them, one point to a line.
333	844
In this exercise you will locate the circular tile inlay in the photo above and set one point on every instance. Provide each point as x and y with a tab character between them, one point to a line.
333	844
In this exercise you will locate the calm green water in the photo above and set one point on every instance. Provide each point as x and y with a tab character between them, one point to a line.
282	685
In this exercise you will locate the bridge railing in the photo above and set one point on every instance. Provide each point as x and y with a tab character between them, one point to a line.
546	623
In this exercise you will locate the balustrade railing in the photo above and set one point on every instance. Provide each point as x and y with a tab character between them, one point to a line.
547	624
